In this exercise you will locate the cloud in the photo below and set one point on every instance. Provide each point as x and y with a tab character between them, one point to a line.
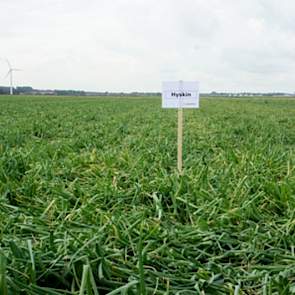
125	45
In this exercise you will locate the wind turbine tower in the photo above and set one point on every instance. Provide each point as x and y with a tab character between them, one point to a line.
10	74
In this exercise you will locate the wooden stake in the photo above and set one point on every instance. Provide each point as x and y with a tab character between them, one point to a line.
179	140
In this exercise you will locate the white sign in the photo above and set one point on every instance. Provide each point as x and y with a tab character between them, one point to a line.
180	94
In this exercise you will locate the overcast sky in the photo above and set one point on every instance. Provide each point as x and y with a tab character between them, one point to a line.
127	45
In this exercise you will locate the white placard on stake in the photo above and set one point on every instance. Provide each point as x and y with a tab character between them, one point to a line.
180	94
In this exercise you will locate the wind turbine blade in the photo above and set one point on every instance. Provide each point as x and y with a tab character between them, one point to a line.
16	69
7	74
8	63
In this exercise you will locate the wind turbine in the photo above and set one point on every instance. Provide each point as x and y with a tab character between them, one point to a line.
10	74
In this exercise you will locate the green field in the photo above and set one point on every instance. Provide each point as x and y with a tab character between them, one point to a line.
91	203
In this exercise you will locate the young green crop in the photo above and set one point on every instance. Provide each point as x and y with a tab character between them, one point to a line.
91	202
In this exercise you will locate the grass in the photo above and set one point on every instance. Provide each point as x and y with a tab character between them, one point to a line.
91	203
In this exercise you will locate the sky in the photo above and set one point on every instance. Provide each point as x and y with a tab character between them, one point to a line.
134	45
